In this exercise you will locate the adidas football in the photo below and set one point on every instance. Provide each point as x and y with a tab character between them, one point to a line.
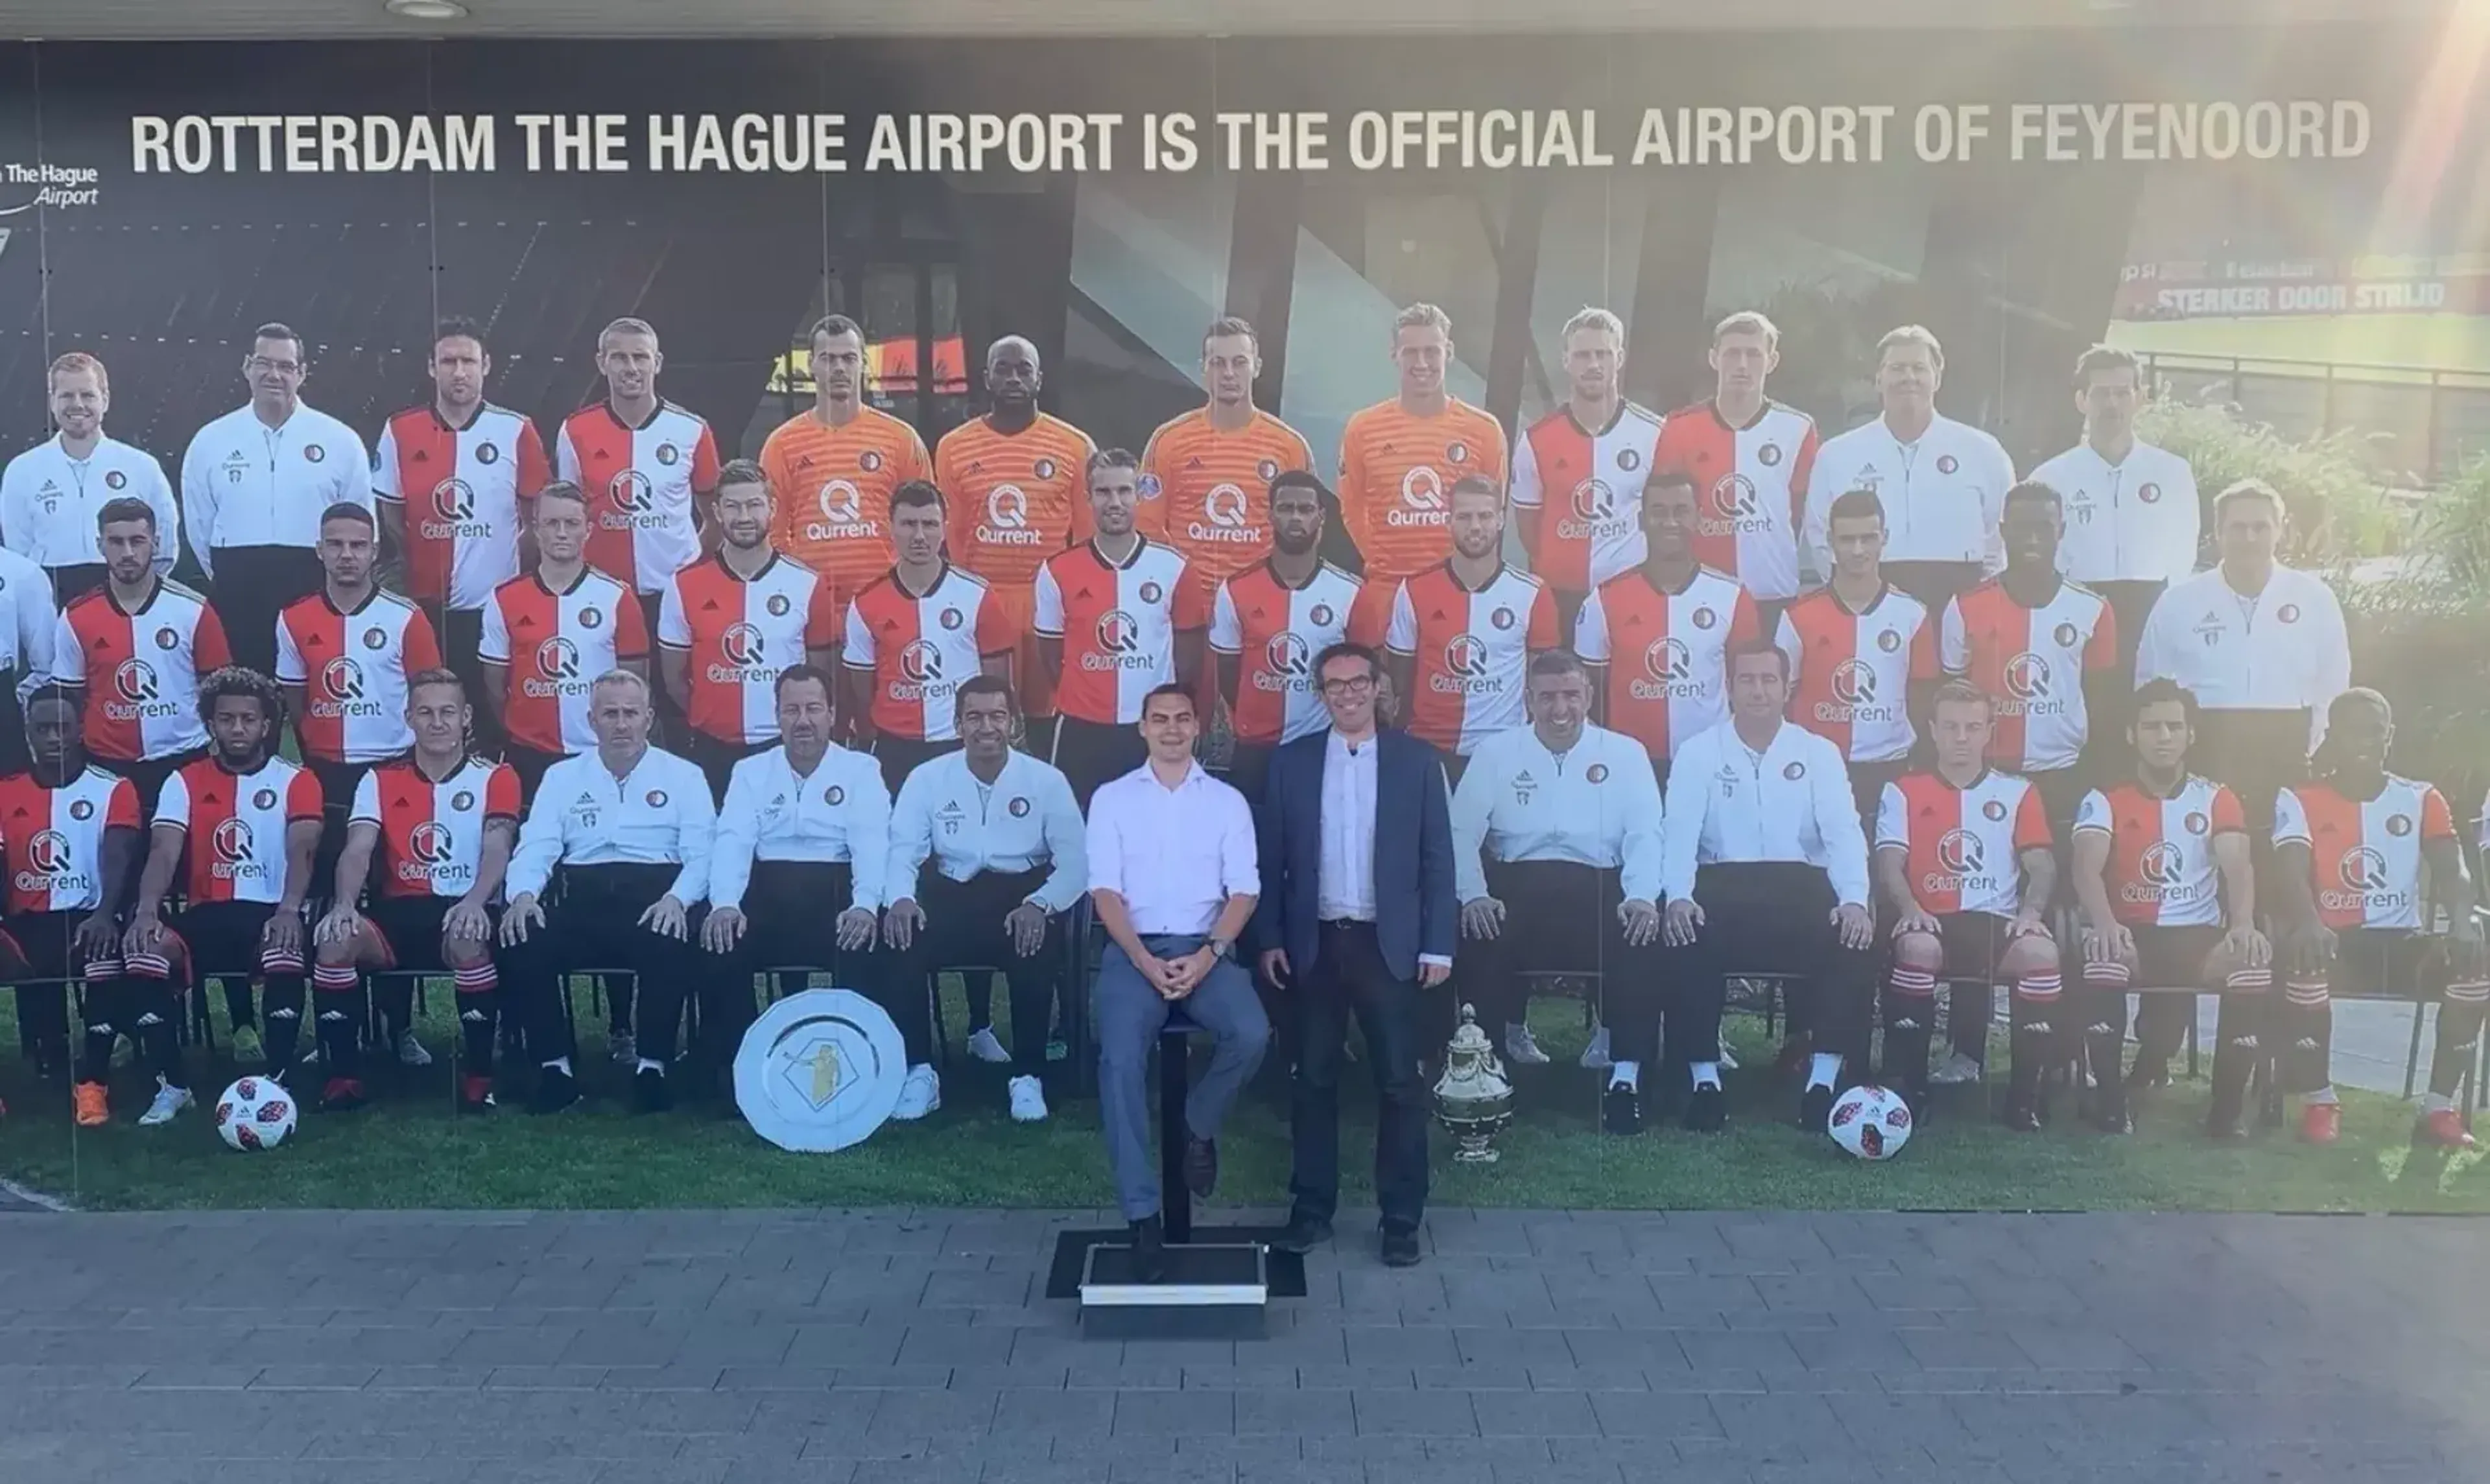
255	1113
1870	1121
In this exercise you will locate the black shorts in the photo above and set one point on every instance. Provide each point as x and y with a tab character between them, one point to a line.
46	942
220	938
409	929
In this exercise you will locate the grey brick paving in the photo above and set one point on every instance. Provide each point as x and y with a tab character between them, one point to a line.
821	1348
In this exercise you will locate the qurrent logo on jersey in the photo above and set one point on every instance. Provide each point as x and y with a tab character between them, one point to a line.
1006	522
2365	884
1668	673
1594	507
1422	499
1959	858
557	670
50	865
135	693
1465	672
1854	690
232	858
746	657
841	508
1286	664
2160	875
341	691
453	514
1222	518
2028	691
634	499
920	673
1119	644
1730	507
431	855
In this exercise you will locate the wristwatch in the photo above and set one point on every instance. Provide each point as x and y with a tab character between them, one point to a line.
1220	948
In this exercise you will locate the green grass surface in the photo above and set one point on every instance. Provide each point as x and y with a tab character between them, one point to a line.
409	1151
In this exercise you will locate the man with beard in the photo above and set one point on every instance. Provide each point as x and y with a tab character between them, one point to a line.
244	822
1578	473
835	466
1106	616
256	486
1462	632
133	651
69	838
50	494
1270	620
987	857
732	621
1015	482
455	478
440	825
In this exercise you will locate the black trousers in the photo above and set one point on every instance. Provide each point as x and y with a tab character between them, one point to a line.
716	758
964	925
462	641
792	912
1093	753
1559	917
39	945
1767	917
900	757
253	585
593	922
1348	978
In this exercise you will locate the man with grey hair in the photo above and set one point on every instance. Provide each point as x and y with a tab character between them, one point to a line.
628	828
1943	483
255	483
650	469
1578	472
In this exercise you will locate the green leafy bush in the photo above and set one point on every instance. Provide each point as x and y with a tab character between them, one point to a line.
2339	512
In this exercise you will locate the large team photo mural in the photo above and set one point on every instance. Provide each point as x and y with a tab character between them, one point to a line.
1622	620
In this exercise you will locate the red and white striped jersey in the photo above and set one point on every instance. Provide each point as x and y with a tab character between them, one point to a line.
2033	661
1275	630
1473	649
1117	622
919	647
463	489
2161	871
556	644
741	633
54	837
1584	492
1963	847
140	667
1851	674
2364	856
353	668
236	823
432	834
642	485
1750	490
1665	654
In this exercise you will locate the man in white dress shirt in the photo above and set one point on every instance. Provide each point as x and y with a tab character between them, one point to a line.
2262	647
255	483
629	828
2132	521
50	494
1766	870
1943	483
795	879
988	852
1172	874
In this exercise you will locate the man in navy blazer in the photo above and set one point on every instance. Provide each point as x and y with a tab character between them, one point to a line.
1357	916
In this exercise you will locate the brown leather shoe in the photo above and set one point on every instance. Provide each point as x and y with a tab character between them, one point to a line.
1201	1167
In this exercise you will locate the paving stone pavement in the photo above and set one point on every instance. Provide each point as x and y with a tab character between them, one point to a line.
913	1347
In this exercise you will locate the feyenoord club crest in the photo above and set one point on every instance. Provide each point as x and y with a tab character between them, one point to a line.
668	454
834	796
1045	469
1268	470
1889	640
869	461
265	798
1596	773
2198	824
2066	636
2289	612
84	809
1018	808
1628	458
2399	825
462	801
1151	592
1794	772
375	639
656	798
951	618
777	604
314	454
487	453
1502	618
2150	494
1457	452
590	617
1321	615
1769	455
1947	464
1704	619
115	479
1993	810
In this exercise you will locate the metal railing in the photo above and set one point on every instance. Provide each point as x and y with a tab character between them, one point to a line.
2433	421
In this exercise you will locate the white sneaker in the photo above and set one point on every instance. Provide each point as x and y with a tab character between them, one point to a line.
1955	1070
410	1049
985	1047
624	1048
921	1094
1594	1056
169	1100
1028	1100
1522	1049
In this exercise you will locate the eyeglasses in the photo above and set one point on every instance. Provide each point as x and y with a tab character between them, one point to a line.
1355	685
282	367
